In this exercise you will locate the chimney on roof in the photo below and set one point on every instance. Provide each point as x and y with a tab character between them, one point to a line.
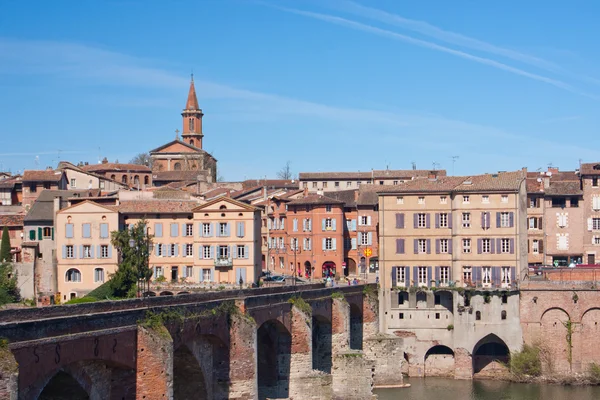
56	205
553	170
432	175
48	168
356	193
305	192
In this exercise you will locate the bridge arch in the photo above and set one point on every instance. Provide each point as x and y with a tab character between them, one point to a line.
188	377
439	361
321	344
553	324
489	354
356	327
166	293
274	350
588	333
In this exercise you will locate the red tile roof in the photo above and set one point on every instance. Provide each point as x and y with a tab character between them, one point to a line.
375	174
42	176
315	199
590	169
115	167
157	206
11	219
564	188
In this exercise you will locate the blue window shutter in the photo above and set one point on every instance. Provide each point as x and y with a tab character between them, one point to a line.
174	229
183	230
416	220
427	220
243	226
353	244
449	246
154	272
428	244
449	274
201	278
334	244
184	272
227	233
354	225
497	220
437	246
496	272
156	247
64	251
416	243
511	219
69	230
428	276
450	220
246	252
212	252
512	246
86	231
168	250
323	224
200	255
370	238
512	275
103	230
158	230
437	274
333	224
238	274
394	276
80	250
99	251
176	250
406	276
229	251
489	219
212	275
416	276
479	246
437	220
244	275
92	252
109	251
324	243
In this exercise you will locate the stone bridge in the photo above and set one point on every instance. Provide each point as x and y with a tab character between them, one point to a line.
308	342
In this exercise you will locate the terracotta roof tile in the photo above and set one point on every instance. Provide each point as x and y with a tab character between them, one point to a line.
563	188
590	169
42	176
157	206
375	174
442	184
115	167
11	219
315	199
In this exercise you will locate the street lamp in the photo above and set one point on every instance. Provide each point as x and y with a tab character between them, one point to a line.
142	266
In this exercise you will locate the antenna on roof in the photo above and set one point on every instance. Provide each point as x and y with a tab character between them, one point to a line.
550	165
435	164
414	165
454	158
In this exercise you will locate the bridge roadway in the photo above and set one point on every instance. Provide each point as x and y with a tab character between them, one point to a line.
76	339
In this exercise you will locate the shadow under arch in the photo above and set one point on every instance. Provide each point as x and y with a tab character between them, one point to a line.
489	351
356	327
188	377
439	361
321	344
85	380
274	348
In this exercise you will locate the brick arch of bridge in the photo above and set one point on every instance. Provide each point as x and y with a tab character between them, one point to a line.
357	304
41	360
201	356
322	334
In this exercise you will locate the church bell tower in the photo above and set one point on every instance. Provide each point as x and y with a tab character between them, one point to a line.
192	119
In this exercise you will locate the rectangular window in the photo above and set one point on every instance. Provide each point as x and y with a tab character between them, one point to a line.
443	200
421	200
533	223
596	239
467	275
532	202
486	277
401	276
444	275
173	250
314	185
70	251
336	184
443	220
348	184
99	275
574	202
422	276
364	238
466	243
324	184
222	228
504	220
486	245
563	242
444	246
206	229
466	199
241	251
47	233
328	223
466	220
595	182
281	243
206	273
87	251
596	224
399	200
33	188
189	250
328	208
304	184
206	252
328	244
504	198
189	271
281	262
485	199
159	272
223	252
422	246
102	184
505	276
189	229
104	251
559	202
421	220
73	183
395	182
535	246
505	245
364	220
596	203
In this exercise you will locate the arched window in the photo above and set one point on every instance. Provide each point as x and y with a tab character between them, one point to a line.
503	314
191	124
146	180
73	275
136	180
113	177
124	179
177	166
478	315
99	275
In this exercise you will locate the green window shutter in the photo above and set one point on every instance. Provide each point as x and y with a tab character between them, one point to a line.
40	237
32	235
52	233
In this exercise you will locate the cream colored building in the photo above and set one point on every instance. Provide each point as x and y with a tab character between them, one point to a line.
229	241
85	257
463	231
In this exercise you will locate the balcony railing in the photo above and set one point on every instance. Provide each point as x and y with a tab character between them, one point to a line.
224	262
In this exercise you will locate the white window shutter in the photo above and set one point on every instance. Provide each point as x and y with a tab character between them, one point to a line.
590	224
369	220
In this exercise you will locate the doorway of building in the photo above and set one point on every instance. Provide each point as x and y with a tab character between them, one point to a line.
591	259
307	269
328	269
350	267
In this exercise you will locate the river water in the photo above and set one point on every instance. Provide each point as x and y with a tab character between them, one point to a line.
440	388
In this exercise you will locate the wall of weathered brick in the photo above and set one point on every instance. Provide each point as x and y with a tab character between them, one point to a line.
439	365
9	376
242	359
352	376
154	365
387	353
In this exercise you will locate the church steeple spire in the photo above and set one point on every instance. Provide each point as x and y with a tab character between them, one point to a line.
192	119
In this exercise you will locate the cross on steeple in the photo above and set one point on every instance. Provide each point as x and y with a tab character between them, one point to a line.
177	134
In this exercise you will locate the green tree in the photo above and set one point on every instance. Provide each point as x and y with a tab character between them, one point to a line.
9	291
5	246
134	260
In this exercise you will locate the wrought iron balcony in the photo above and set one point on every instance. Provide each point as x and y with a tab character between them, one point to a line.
224	262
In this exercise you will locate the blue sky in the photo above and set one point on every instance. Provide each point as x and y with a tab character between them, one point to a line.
328	84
